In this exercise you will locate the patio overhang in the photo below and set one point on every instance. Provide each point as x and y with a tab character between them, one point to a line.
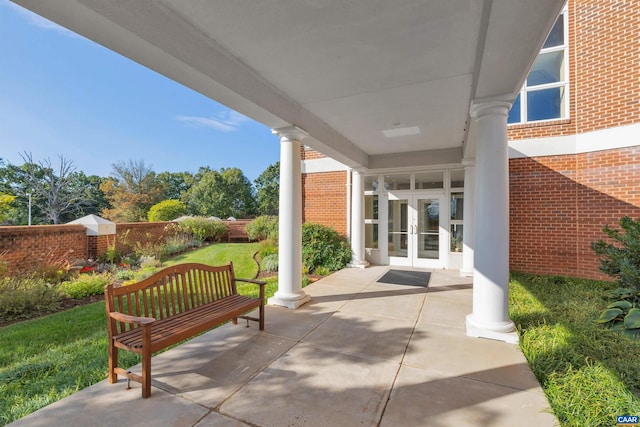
346	73
369	83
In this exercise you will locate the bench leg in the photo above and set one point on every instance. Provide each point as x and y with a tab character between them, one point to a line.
234	320
146	362
113	362
262	317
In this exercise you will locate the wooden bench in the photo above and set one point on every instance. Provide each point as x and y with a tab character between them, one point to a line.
174	304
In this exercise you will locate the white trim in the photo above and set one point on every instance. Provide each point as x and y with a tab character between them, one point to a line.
605	139
325	164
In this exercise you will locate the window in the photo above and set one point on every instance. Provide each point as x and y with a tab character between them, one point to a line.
545	92
456	221
370	212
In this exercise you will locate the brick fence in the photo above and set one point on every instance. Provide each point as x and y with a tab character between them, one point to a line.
23	248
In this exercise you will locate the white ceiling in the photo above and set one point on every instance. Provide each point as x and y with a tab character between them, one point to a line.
344	71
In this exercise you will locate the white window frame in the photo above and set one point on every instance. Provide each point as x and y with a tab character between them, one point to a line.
564	83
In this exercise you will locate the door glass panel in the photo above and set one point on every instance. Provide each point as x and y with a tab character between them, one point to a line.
371	236
398	228
428	228
457	204
456	238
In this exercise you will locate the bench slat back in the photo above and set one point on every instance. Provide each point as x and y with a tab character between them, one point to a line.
170	291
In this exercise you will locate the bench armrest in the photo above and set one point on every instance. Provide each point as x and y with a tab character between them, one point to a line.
131	319
256	282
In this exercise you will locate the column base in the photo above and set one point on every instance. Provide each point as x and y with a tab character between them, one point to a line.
502	331
289	301
358	264
466	273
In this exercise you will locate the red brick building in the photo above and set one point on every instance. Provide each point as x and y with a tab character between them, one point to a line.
574	157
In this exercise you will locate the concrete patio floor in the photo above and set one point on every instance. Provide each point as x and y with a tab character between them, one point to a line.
360	353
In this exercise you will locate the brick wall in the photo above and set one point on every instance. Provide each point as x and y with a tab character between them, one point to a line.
607	57
128	234
324	199
24	247
559	204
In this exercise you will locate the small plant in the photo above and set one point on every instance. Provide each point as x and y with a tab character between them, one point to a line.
270	262
125	274
324	247
263	228
112	255
202	228
53	266
620	258
322	271
85	285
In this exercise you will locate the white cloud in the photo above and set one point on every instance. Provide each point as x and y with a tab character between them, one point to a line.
37	20
226	121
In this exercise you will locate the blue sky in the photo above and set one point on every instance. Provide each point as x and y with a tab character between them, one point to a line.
61	94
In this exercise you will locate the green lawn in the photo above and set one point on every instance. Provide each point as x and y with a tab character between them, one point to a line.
46	359
241	254
588	373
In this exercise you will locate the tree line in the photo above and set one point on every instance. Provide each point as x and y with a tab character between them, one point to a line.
60	193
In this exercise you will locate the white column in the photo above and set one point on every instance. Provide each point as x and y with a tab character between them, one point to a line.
290	293
490	317
357	221
468	217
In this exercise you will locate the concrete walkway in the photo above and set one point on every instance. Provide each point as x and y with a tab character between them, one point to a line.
361	353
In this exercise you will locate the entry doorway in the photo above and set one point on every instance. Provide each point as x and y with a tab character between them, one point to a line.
416	229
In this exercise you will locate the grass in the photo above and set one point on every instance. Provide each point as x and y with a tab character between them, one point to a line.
241	254
588	373
46	359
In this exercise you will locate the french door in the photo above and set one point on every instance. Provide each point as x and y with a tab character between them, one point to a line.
416	233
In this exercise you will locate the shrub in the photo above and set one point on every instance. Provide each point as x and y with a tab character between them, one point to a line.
267	247
202	228
270	263
85	285
177	244
262	228
22	296
323	247
167	210
621	260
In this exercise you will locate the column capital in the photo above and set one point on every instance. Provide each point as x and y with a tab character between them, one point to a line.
485	107
292	133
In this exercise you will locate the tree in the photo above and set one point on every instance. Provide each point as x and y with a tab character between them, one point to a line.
131	191
52	189
268	190
221	193
6	201
175	184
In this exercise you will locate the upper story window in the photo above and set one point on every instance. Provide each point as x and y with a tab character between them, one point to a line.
544	95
